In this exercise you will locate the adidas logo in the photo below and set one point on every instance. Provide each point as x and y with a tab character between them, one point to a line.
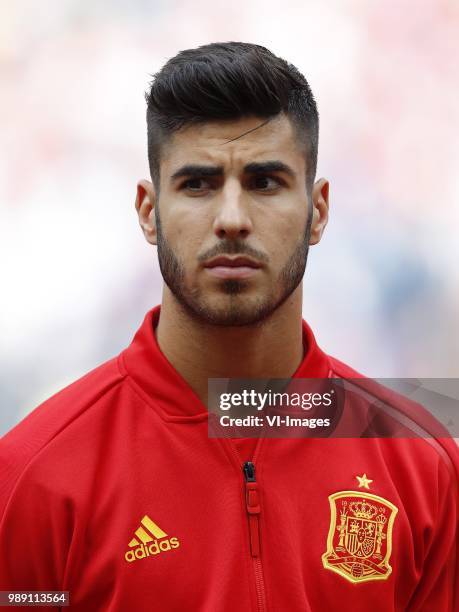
150	540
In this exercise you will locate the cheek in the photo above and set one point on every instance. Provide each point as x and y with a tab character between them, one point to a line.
184	235
284	234
190	222
187	245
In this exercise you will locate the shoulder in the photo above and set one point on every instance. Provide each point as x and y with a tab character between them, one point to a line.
409	426
40	429
339	369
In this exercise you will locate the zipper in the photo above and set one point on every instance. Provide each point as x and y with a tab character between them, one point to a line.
252	501
253	509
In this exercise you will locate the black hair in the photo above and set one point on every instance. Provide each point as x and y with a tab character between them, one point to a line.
229	80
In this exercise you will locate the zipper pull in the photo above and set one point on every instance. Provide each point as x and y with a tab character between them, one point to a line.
249	471
252	502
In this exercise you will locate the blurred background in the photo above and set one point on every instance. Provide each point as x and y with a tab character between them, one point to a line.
381	290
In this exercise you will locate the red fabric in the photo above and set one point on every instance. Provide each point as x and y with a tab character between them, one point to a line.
129	440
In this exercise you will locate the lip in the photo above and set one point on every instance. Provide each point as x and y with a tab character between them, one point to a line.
232	272
232	267
232	262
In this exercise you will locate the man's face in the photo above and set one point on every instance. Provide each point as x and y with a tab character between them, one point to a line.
233	218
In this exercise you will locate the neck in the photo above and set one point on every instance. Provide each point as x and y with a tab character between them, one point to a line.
199	351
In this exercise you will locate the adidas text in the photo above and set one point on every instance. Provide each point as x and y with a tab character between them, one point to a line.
154	548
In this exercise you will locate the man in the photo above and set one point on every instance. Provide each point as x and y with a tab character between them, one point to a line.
114	491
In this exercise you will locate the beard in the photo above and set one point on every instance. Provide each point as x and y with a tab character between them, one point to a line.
238	309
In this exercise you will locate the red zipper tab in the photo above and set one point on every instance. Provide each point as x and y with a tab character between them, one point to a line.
252	501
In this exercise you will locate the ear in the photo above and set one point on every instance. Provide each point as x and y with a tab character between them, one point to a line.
319	210
145	206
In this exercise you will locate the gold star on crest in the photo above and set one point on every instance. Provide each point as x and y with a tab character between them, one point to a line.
364	481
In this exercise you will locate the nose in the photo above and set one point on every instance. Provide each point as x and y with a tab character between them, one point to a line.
232	218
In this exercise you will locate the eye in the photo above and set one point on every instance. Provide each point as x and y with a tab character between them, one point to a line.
265	183
195	185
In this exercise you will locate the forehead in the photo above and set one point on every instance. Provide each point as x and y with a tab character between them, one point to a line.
233	144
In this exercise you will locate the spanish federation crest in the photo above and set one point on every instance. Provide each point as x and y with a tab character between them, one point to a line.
359	542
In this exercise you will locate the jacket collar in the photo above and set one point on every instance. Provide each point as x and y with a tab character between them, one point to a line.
160	382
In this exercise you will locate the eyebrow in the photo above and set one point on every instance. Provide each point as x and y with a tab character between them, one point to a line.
266	167
269	166
197	170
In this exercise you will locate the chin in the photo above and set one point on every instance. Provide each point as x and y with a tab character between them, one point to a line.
233	311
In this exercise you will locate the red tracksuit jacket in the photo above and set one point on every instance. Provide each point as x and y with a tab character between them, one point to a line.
113	491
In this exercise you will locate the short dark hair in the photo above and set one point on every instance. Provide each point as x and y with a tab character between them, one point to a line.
229	81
